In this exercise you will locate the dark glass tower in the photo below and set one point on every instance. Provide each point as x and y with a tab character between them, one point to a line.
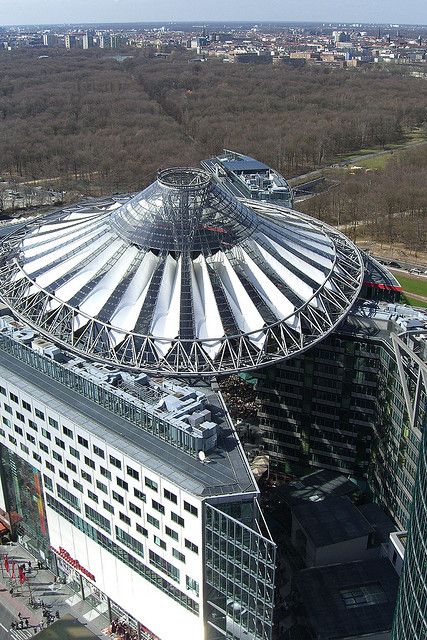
411	611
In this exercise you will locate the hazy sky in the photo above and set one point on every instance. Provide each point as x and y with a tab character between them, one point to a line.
64	11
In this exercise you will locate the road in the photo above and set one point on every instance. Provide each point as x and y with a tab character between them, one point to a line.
8	614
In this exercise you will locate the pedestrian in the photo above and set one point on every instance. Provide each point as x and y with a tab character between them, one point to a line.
13	626
29	565
11	591
26	622
19	615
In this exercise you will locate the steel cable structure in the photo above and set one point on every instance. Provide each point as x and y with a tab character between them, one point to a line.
180	279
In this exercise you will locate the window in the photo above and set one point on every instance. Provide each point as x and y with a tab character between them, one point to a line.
33	425
12	440
74	453
26	405
90	463
71	466
192	585
57	456
92	495
78	486
2	390
39	414
8	408
108	507
63	476
142	530
132	472
117	497
83	442
20	417
48	482
24	448
43	447
101	486
130	542
68	497
105	473
115	462
50	466
86	476
158	507
124	485
140	495
176	518
363	595
31	438
18	429
97	518
178	555
153	521
60	443
190	545
53	423
124	517
159	542
151	484
170	496
7	422
164	566
46	434
189	507
171	533
67	432
134	508
14	398
98	451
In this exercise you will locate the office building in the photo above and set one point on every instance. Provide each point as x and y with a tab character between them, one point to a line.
410	619
138	492
343	405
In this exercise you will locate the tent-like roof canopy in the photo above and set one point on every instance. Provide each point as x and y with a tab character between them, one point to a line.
180	279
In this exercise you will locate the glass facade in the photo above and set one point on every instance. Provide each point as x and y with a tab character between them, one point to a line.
240	569
341	406
25	504
411	611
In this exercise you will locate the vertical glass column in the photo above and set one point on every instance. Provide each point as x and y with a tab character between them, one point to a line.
240	567
410	621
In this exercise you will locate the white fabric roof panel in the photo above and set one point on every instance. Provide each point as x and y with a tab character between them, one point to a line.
184	257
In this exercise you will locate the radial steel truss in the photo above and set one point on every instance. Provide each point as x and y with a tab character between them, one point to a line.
181	279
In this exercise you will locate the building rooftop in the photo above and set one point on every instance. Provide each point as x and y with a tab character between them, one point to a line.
224	471
330	521
317	486
380	521
349	600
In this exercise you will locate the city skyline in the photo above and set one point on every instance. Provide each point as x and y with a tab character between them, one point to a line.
97	11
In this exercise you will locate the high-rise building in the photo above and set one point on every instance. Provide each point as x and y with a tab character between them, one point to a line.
410	618
343	406
135	490
87	41
70	41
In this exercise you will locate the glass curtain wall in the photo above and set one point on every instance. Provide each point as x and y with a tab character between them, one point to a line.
240	567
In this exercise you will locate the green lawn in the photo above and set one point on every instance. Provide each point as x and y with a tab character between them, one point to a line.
412	285
376	162
414	302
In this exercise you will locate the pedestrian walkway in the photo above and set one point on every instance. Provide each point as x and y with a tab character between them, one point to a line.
21	634
41	592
